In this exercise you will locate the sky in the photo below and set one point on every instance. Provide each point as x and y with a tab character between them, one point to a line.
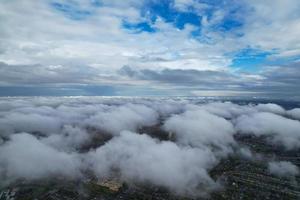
150	47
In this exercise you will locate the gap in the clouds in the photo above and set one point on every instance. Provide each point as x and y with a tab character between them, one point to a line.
187	18
253	60
250	59
229	24
165	9
138	27
231	15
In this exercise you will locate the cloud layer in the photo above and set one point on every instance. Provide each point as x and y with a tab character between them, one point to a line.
68	137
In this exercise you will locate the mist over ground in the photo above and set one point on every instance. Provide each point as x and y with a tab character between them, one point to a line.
45	137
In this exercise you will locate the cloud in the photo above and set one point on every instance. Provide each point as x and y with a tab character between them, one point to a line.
14	74
178	76
287	74
245	153
142	159
198	55
24	156
46	137
283	169
294	113
193	79
269	82
18	122
199	128
281	130
114	121
270	107
69	139
227	110
85	42
261	24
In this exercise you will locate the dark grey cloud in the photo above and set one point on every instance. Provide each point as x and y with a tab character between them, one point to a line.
27	80
271	81
286	76
182	77
58	90
45	74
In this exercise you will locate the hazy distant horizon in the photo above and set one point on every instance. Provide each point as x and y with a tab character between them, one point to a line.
71	92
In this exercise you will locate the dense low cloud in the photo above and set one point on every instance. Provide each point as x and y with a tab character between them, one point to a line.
127	117
24	156
18	122
294	113
142	159
45	137
69	139
281	130
227	110
270	107
201	129
283	169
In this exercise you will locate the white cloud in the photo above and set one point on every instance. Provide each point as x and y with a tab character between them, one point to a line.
199	128
143	159
24	156
128	117
89	51
270	107
75	45
69	139
281	130
283	169
294	113
73	129
273	25
18	122
227	110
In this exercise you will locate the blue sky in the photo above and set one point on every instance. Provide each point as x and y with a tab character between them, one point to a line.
82	47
